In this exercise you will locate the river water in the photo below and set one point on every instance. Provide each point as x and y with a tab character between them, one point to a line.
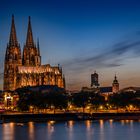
80	130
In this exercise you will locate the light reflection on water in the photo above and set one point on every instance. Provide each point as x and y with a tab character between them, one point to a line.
69	126
31	130
111	123
88	125
8	131
71	130
50	129
89	130
101	129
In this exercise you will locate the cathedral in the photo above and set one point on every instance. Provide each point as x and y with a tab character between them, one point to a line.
23	69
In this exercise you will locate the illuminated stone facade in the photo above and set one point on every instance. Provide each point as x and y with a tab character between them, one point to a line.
26	70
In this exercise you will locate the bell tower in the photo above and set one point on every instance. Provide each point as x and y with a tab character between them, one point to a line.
94	80
12	59
115	85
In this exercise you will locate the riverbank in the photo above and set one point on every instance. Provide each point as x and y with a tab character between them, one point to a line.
67	117
116	116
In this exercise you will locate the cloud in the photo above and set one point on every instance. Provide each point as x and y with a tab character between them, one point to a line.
113	56
125	47
78	69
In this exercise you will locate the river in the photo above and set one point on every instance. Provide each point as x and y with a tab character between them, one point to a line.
71	130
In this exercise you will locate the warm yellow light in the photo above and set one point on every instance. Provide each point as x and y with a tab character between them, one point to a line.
101	107
88	107
131	106
8	97
70	106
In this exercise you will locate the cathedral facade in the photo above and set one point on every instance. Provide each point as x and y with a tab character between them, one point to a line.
21	70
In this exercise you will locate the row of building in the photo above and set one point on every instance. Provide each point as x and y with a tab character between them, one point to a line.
24	69
95	86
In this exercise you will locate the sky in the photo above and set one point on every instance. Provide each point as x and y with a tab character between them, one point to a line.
80	35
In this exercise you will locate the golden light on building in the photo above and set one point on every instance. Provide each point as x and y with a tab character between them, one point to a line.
131	107
21	70
100	107
88	107
10	100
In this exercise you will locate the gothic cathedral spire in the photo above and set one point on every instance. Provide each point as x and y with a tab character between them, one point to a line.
26	70
13	38
29	39
12	59
38	49
31	53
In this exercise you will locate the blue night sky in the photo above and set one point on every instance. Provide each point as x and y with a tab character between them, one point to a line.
80	35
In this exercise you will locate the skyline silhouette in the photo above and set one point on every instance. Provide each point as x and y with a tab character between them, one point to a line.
81	36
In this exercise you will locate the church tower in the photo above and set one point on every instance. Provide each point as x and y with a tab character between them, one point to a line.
94	80
26	70
31	53
115	85
12	59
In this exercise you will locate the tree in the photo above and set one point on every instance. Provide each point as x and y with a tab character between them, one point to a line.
97	100
53	96
23	103
56	101
81	99
122	100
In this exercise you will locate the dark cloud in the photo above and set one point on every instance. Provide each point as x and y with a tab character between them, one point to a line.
124	47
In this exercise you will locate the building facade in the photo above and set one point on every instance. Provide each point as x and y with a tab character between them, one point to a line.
115	85
96	88
25	69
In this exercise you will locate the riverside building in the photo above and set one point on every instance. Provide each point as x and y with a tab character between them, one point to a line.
24	68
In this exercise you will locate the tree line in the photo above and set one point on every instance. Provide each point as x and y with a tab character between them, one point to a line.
60	100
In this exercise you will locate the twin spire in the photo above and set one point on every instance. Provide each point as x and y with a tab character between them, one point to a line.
29	39
13	38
